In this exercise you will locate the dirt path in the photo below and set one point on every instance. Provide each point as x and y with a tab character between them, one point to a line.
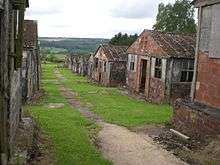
119	144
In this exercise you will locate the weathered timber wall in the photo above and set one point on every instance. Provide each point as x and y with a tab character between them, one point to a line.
30	73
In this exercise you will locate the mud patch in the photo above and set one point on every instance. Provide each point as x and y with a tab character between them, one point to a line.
194	151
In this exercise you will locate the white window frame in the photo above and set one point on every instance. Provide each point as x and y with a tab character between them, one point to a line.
132	59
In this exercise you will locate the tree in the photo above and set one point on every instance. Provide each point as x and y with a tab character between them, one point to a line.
178	17
123	39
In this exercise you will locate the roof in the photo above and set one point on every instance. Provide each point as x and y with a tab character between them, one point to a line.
113	52
30	33
171	44
199	3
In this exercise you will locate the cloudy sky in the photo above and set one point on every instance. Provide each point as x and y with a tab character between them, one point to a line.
92	18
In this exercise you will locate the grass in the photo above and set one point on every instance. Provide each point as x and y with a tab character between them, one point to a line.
115	107
68	130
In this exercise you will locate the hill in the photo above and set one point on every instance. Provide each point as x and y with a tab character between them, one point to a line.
73	45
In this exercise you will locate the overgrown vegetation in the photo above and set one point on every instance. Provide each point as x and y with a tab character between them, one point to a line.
68	130
123	39
177	17
115	107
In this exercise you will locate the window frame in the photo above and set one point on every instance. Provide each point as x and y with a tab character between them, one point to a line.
189	70
158	68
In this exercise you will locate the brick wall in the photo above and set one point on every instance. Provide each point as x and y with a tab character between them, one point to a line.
180	90
157	90
118	73
195	119
208	80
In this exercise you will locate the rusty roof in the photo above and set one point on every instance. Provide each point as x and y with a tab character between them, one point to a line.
172	44
30	33
113	52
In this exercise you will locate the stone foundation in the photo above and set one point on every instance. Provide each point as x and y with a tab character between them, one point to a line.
196	119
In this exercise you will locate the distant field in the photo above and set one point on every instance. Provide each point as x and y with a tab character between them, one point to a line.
73	45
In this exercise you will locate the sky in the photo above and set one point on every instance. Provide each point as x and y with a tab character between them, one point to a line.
93	18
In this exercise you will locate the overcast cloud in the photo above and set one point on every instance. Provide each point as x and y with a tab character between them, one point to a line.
92	18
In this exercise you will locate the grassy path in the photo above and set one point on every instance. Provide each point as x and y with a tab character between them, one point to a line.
68	130
115	107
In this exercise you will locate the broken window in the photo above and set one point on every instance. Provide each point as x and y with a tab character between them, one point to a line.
131	66
187	71
158	68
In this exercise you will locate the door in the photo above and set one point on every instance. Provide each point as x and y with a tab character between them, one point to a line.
143	75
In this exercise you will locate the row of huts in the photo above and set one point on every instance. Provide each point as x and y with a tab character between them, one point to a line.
165	67
157	65
19	70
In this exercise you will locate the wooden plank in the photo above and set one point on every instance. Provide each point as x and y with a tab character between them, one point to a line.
214	47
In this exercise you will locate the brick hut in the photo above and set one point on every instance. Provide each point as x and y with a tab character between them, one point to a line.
11	47
31	60
110	65
201	115
160	65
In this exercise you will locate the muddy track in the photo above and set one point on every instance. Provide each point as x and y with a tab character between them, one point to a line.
119	144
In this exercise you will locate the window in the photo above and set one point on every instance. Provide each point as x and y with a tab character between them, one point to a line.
187	71
131	66
158	68
105	65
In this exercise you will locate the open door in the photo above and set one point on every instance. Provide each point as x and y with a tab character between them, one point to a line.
143	75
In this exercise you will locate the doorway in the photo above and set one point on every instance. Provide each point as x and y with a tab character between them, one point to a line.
100	77
143	75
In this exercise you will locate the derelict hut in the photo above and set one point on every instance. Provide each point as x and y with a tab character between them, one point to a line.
31	60
11	47
110	65
91	66
83	65
75	63
160	65
68	61
200	115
